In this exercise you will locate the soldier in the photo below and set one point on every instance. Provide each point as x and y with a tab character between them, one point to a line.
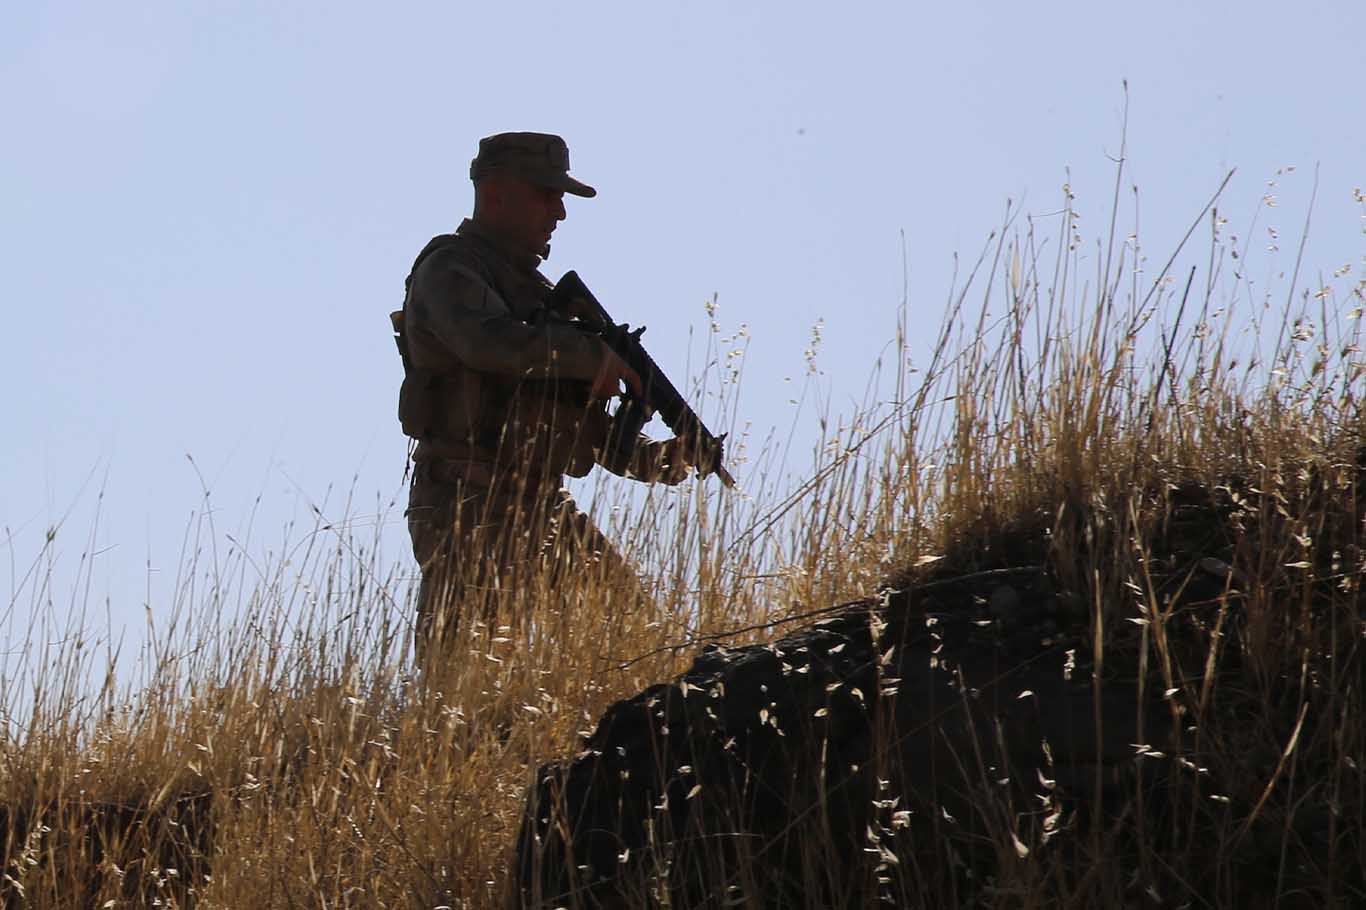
505	397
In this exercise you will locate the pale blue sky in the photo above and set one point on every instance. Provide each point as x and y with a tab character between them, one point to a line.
207	209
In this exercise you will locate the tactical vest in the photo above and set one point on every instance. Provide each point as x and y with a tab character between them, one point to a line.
463	413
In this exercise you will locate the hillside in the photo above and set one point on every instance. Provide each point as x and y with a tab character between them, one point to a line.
1114	523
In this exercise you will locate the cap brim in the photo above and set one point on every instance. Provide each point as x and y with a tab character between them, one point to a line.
569	185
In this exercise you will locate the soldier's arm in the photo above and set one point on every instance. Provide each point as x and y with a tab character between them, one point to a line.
663	461
452	307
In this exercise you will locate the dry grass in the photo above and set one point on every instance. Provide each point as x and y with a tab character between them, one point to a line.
286	758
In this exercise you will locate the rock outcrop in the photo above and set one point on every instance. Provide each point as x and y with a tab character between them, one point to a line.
899	749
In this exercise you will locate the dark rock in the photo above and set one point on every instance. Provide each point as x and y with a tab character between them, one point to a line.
1005	602
883	753
151	855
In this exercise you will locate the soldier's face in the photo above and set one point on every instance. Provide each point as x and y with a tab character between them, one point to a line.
530	212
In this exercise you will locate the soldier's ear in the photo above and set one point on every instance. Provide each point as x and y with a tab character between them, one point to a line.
489	191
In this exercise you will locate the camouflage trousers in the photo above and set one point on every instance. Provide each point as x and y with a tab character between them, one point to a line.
476	544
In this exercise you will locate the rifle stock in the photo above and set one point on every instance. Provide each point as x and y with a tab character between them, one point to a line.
660	394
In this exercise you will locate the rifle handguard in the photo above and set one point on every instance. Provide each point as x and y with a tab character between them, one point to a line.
660	395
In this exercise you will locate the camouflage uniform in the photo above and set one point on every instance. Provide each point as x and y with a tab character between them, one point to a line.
496	393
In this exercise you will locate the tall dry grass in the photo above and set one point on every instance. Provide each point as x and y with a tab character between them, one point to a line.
289	758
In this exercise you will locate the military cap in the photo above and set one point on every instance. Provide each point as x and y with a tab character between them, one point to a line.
539	157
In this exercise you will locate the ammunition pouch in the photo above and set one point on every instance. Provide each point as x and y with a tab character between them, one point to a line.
457	405
447	404
417	399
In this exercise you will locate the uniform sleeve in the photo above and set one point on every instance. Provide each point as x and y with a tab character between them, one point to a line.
452	310
650	462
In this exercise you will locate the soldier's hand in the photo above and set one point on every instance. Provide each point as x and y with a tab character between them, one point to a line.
613	372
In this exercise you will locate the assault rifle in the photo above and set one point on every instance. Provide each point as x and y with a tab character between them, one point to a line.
571	296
